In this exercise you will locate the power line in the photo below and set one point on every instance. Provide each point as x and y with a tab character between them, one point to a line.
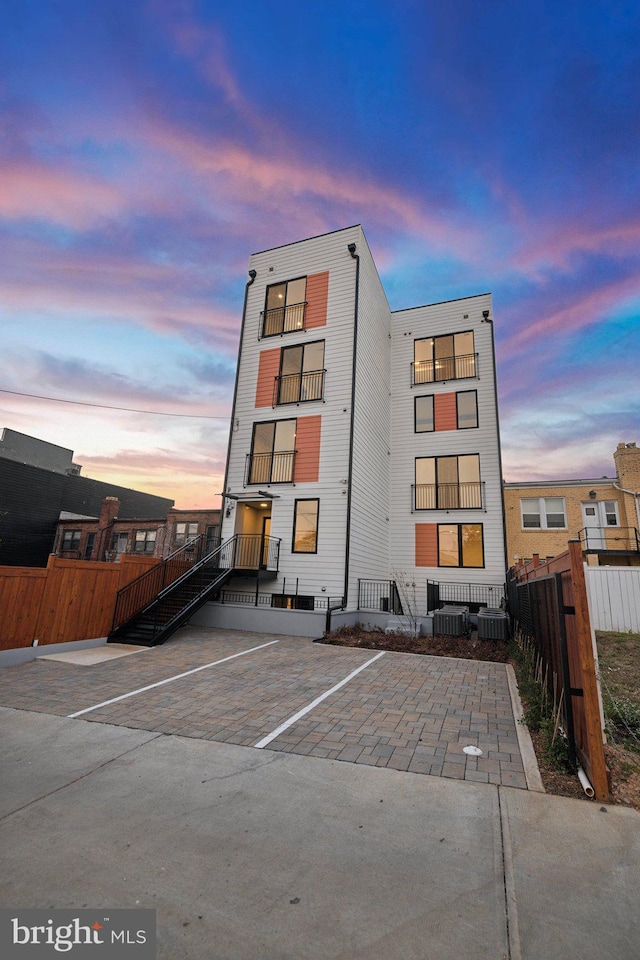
107	406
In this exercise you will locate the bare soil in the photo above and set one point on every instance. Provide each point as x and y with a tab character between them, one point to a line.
620	666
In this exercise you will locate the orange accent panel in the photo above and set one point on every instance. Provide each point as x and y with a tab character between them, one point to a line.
445	411
426	545
308	446
268	370
317	295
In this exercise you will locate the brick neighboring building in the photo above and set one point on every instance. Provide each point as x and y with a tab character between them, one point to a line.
108	536
543	515
39	483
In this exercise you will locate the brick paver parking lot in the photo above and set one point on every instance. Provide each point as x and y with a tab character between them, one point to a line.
407	712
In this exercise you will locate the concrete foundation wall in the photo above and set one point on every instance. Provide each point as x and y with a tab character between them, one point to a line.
292	623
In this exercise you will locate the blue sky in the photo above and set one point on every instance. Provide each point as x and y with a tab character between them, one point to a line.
147	149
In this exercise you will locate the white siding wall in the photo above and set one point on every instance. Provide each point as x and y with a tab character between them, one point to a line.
407	326
370	521
384	442
614	597
326	568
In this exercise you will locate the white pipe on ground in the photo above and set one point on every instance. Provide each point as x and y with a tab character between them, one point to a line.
586	786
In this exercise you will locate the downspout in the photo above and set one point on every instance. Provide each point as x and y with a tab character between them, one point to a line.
487	319
252	275
635	497
352	250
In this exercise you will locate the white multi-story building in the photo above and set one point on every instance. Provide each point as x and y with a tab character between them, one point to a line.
364	446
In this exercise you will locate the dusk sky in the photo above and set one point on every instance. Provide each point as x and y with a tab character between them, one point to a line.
148	148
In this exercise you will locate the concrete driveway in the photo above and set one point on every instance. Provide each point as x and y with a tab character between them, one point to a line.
430	715
250	852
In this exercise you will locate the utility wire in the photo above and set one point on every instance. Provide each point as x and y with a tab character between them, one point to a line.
106	406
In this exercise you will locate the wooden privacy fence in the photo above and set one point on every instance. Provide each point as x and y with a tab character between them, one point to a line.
549	603
69	600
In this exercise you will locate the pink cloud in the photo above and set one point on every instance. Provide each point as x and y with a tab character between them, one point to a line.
108	285
582	312
567	239
72	199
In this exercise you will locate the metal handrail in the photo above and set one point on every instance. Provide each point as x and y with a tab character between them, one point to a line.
448	496
285	319
242	551
139	593
444	368
610	535
276	467
298	387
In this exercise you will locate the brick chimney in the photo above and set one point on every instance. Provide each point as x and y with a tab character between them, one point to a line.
108	513
627	461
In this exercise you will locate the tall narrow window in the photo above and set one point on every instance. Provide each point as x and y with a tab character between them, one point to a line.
449	357
272	452
424	421
285	307
305	526
301	373
467	409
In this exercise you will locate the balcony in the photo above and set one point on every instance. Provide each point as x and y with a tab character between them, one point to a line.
270	467
609	539
299	387
281	320
444	368
447	496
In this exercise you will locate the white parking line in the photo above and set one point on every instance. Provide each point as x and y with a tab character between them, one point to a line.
160	683
301	713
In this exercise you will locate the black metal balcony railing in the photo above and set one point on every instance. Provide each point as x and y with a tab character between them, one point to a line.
270	467
299	387
448	496
610	538
444	368
253	551
280	320
379	595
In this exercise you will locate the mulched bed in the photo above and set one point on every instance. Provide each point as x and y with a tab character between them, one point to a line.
465	648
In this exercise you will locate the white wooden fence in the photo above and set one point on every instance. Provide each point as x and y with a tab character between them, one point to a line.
614	597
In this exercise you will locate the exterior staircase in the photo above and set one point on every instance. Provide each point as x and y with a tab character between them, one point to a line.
152	607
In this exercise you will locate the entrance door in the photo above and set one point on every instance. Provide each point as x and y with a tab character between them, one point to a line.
597	517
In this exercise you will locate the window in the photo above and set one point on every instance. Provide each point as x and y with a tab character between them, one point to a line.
89	545
284	308
611	512
185	531
301	373
212	537
448	483
423	415
467	409
272	452
305	526
71	539
145	541
449	357
447	411
543	513
291	601
460	545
